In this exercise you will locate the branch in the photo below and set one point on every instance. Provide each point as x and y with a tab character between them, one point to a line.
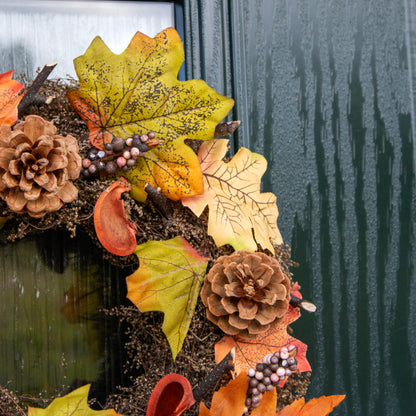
160	201
31	96
224	129
301	303
207	385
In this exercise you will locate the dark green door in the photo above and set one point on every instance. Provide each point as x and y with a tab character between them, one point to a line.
324	91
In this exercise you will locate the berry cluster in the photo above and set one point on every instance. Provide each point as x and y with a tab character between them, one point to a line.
119	154
274	368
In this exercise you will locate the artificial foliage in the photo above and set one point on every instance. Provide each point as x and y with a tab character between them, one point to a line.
169	280
72	404
239	214
138	91
11	93
148	179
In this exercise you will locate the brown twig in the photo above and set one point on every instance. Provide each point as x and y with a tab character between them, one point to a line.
206	386
160	201
31	96
224	129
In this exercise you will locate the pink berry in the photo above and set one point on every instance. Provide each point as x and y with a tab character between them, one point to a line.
281	371
134	152
86	163
259	376
274	378
129	141
127	154
121	161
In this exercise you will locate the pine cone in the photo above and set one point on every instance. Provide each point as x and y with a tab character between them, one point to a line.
245	293
37	167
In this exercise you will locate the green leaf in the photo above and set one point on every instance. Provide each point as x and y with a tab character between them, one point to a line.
169	280
136	92
73	404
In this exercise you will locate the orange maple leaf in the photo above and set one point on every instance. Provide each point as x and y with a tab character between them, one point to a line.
228	400
250	352
315	407
9	98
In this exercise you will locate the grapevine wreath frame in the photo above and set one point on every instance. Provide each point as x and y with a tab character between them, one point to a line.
159	218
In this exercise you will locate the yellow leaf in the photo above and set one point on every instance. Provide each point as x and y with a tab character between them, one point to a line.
138	91
237	208
73	404
169	279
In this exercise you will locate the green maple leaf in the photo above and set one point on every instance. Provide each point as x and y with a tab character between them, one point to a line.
138	91
169	279
73	404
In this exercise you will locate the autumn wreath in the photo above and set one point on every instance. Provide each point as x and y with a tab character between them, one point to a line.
147	141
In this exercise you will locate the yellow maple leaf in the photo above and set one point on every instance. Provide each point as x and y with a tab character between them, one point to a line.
169	279
237	208
136	92
73	404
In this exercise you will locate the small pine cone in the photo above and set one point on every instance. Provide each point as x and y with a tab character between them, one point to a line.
245	293
37	167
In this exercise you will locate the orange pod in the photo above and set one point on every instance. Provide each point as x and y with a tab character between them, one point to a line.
115	232
171	396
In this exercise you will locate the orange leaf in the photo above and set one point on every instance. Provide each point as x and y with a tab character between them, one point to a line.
228	400
250	352
115	232
321	406
9	98
171	396
292	409
267	406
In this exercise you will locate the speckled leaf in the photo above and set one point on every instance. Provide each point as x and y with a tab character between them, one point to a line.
169	280
73	404
138	91
9	98
232	193
250	352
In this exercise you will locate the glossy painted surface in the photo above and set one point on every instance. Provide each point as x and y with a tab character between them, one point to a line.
324	91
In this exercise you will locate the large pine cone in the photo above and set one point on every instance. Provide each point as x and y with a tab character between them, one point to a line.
245	293
37	167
